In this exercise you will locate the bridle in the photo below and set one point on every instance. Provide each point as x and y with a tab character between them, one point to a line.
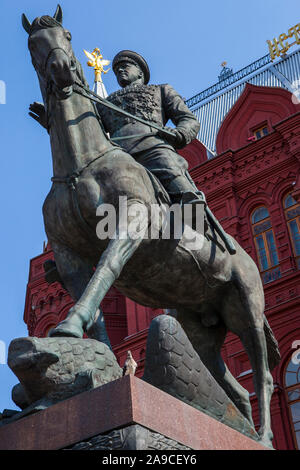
43	69
49	55
50	85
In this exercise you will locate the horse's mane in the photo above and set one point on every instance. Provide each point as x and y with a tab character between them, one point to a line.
43	22
46	21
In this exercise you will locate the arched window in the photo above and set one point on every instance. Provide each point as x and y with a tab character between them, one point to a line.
292	215
265	244
292	384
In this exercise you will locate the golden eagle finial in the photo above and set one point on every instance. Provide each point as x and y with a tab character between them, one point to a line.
97	62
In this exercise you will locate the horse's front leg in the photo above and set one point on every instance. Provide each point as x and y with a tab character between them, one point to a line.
75	272
121	247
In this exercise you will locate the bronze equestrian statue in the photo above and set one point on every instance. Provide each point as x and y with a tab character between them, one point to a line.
212	291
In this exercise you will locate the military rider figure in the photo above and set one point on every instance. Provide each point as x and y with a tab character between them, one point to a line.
155	104
154	150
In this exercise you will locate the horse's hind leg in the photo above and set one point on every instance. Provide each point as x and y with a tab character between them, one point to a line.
76	272
243	315
254	342
207	342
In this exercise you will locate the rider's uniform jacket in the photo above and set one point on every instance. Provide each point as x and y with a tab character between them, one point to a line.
153	103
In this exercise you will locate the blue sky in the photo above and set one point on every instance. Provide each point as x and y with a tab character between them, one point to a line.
184	44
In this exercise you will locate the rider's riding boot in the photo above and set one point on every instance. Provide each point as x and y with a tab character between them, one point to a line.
193	197
193	205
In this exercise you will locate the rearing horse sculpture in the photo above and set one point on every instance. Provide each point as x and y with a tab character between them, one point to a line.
212	291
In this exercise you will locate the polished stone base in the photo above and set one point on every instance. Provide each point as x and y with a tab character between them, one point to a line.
127	413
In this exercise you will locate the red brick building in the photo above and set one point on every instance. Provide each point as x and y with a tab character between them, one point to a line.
248	166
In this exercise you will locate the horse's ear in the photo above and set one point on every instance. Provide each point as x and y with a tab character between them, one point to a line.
58	15
26	23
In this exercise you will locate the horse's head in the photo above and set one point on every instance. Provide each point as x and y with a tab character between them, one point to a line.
52	55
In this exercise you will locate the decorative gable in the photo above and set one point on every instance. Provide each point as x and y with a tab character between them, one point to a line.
258	108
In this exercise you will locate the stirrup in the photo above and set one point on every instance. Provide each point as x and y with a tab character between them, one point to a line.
191	197
194	199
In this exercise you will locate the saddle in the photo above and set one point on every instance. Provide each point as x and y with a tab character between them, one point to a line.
163	197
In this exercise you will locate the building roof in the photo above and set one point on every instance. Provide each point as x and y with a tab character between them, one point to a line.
210	112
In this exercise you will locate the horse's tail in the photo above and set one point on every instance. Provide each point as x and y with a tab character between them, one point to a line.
272	346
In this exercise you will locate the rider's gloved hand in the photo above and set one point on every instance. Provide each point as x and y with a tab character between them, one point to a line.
38	112
177	139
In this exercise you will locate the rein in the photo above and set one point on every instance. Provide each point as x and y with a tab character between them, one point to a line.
98	99
85	92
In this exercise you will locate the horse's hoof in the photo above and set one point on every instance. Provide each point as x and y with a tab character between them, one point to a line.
66	329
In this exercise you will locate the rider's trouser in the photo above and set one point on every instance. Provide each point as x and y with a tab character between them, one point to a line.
170	168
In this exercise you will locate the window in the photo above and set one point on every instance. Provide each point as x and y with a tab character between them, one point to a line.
292	390
292	215
260	132
265	244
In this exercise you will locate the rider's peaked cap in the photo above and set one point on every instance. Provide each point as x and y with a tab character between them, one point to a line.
135	58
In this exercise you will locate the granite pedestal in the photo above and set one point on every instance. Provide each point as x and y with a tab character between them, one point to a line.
127	413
